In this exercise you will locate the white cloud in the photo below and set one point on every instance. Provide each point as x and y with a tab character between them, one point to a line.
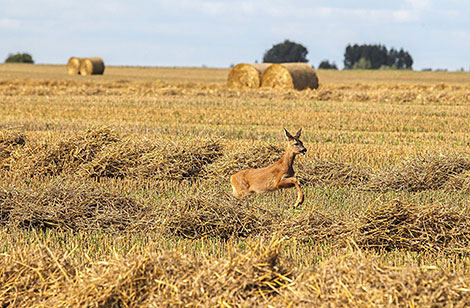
401	16
419	4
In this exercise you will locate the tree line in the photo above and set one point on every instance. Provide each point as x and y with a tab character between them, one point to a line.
356	56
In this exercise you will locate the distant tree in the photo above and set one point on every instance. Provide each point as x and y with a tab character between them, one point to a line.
362	64
378	56
19	58
326	65
286	52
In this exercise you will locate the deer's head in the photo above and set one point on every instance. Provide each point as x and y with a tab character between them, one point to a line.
294	142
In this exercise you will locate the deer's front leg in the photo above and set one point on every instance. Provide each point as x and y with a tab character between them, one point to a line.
289	182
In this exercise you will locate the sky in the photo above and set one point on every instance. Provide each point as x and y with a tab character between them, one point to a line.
221	33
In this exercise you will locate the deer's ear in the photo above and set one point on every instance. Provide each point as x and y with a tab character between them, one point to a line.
298	133
288	135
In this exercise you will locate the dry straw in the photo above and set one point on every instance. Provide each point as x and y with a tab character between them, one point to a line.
426	228
73	66
259	276
9	140
214	215
91	66
73	207
55	158
245	75
428	171
297	76
242	157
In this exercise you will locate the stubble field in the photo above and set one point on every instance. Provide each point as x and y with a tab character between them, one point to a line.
114	190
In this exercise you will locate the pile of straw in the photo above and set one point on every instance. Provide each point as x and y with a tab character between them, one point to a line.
424	172
70	207
243	157
258	276
297	76
459	182
313	227
118	160
396	225
102	153
245	75
65	155
9	140
73	66
221	216
332	173
399	225
250	278
161	160
34	277
181	161
359	280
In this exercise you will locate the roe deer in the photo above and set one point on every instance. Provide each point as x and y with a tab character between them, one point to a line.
273	177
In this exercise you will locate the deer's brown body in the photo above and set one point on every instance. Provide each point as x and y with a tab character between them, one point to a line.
273	177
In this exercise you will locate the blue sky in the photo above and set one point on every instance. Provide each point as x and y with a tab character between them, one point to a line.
221	33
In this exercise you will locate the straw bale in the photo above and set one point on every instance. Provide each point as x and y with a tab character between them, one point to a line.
73	66
297	76
91	66
424	172
244	75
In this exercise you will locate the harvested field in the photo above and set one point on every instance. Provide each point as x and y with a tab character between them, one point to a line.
251	278
114	190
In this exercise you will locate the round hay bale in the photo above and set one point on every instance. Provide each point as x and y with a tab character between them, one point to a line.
297	76
91	66
245	75
73	66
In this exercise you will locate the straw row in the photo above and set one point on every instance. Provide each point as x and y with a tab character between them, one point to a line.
101	153
457	94
430	228
258	276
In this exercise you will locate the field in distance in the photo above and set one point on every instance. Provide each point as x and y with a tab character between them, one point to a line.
114	190
201	74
